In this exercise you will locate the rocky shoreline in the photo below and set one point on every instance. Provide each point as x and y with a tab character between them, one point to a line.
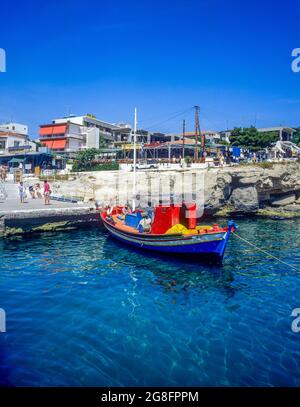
254	191
244	190
230	192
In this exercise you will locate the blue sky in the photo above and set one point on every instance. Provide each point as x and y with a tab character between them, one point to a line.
232	58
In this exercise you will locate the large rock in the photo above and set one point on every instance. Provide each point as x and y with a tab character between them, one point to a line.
245	199
217	189
292	208
248	177
265	184
284	200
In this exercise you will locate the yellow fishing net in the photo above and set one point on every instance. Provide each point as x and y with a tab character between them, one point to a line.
179	228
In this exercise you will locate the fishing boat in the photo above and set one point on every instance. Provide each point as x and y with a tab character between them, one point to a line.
170	229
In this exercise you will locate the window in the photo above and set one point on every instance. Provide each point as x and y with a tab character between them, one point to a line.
16	143
2	144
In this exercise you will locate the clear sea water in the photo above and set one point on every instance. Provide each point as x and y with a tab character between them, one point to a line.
82	310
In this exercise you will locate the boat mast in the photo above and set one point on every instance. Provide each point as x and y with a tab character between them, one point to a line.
134	160
197	131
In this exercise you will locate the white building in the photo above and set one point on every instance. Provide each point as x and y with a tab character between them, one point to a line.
68	136
284	133
108	132
14	138
91	137
15	128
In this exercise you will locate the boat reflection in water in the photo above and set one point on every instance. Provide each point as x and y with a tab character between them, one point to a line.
176	276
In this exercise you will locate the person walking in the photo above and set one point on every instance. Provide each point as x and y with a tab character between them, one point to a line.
47	192
22	192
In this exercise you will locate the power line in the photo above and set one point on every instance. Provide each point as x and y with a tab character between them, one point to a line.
154	118
170	118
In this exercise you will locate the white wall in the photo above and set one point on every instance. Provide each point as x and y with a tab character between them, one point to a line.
15	127
11	139
74	144
92	137
74	129
76	120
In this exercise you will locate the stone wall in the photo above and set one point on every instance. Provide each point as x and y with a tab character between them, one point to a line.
239	189
38	221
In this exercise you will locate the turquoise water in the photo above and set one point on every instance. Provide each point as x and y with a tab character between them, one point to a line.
82	310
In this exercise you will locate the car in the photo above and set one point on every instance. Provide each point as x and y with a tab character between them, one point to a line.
146	165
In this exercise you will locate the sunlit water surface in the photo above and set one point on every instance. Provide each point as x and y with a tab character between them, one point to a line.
82	310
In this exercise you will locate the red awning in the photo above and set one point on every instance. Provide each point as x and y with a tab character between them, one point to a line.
49	130
47	143
59	144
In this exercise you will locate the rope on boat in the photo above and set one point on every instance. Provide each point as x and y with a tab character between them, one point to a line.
263	251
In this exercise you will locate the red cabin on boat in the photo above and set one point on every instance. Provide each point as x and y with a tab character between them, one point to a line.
166	216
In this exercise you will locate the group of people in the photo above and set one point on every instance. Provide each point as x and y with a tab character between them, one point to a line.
35	191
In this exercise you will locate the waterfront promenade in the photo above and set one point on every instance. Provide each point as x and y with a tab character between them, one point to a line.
12	202
34	216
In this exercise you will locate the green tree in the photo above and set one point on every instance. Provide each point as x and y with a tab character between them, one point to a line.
296	136
265	139
102	142
249	137
84	159
235	136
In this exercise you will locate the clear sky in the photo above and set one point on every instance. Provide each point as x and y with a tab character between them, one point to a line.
233	58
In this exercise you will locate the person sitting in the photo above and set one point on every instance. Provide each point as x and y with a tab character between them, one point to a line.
125	210
123	213
109	210
31	191
37	191
145	225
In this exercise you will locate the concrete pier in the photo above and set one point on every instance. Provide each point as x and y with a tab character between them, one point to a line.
35	217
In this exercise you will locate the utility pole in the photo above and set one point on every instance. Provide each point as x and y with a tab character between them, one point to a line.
183	138
202	143
197	131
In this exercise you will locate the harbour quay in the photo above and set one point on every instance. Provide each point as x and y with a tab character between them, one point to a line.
34	217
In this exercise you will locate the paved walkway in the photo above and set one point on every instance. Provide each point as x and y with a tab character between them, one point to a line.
12	202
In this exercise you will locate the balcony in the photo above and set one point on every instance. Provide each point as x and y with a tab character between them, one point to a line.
61	136
19	148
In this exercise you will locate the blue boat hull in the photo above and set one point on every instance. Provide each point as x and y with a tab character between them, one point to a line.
210	246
